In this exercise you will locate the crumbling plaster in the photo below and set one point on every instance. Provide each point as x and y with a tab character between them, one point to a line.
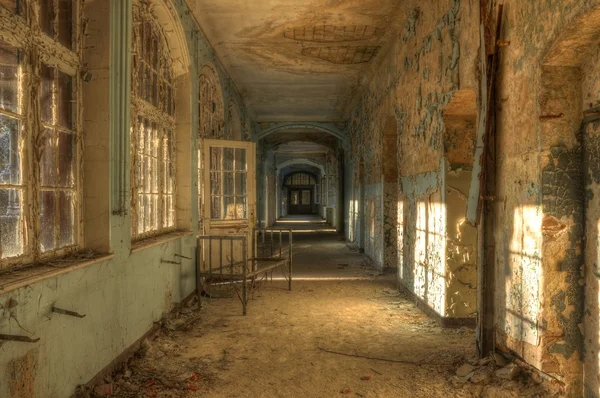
548	76
433	57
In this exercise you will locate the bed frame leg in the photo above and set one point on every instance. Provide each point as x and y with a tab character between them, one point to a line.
290	261
244	278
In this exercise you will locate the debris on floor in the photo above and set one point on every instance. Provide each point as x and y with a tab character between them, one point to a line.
158	369
494	376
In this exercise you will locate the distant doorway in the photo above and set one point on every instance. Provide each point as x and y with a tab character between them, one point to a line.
300	201
300	189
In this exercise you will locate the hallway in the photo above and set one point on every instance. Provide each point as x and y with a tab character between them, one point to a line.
311	342
437	162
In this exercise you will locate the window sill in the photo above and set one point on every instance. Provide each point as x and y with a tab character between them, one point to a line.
157	240
26	276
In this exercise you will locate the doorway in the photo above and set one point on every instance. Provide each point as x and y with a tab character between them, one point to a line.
300	201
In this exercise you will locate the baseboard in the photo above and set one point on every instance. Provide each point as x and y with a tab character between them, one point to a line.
444	322
122	358
130	351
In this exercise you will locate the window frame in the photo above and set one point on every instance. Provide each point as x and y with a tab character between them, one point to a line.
208	82
162	114
25	33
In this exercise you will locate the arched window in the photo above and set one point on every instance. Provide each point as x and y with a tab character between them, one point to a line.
153	129
211	121
210	106
40	146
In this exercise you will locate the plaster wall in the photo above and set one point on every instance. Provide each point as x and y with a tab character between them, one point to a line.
541	275
125	292
415	81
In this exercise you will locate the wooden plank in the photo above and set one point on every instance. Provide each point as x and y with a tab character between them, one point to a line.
477	173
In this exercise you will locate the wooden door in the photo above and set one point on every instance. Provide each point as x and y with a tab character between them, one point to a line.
229	197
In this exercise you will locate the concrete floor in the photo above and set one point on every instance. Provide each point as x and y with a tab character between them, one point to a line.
282	348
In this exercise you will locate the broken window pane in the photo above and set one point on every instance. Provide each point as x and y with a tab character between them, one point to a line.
65	22
10	157
11	223
9	78
47	16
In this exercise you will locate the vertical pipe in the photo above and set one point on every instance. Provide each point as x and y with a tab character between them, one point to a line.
263	232
221	259
271	244
231	258
255	254
290	259
280	243
198	271
244	291
209	256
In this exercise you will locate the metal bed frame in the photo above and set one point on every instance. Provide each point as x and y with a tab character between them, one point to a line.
249	271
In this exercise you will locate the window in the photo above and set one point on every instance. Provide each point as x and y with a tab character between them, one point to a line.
210	108
300	179
40	149
211	122
306	197
152	133
228	177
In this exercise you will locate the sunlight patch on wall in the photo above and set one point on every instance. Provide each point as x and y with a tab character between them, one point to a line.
430	261
524	279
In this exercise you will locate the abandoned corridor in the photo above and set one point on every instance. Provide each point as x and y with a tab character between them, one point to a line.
435	160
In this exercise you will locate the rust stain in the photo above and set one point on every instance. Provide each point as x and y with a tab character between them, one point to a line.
21	373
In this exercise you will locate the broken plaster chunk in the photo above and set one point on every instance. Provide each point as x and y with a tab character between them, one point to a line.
500	360
481	375
509	372
464	370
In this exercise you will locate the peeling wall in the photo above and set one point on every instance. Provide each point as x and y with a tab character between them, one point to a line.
123	295
546	223
415	81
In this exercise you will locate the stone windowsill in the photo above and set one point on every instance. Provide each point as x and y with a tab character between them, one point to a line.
28	275
158	240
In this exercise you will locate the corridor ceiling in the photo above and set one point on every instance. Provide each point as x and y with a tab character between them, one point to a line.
298	60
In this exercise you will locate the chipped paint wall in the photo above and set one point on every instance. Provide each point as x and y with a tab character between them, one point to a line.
122	294
547	292
415	81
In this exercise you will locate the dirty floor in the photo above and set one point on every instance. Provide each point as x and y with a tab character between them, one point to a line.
344	330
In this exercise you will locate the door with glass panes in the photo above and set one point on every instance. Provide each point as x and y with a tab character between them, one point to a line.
229	197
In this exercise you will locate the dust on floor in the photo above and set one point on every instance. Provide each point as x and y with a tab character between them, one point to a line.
345	332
